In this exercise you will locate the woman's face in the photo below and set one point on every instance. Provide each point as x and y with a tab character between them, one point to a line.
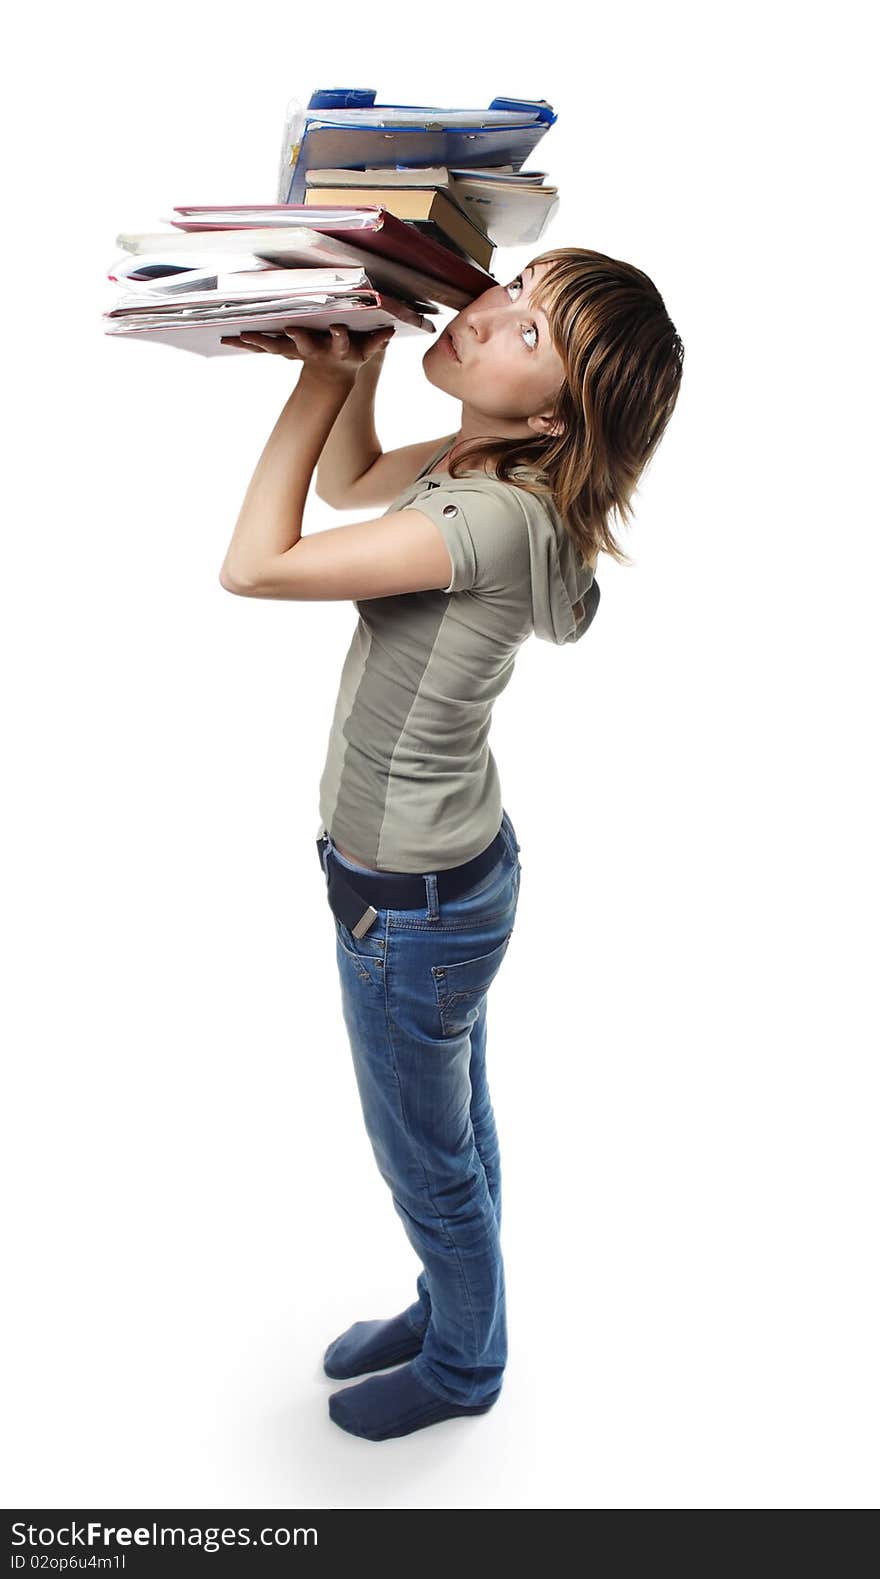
506	366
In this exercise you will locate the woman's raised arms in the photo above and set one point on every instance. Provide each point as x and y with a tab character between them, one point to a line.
403	551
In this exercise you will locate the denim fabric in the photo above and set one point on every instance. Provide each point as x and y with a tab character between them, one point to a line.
414	994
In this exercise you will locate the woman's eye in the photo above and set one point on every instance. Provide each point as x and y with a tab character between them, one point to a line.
516	284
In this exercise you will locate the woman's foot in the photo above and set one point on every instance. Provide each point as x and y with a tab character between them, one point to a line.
371	1346
395	1405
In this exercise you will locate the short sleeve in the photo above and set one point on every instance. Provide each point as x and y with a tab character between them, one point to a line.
484	530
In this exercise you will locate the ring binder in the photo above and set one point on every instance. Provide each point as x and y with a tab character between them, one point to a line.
332	138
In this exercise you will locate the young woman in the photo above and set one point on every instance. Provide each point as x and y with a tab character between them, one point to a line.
567	377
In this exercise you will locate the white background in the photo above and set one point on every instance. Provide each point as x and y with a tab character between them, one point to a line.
683	1044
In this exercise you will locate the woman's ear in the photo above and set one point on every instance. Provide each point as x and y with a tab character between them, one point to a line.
546	426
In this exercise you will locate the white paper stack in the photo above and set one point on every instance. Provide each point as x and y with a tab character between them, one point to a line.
191	305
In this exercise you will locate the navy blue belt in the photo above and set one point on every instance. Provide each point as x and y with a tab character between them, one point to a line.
357	897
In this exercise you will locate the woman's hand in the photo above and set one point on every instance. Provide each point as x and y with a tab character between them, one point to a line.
337	351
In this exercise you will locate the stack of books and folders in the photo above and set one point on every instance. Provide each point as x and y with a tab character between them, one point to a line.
384	214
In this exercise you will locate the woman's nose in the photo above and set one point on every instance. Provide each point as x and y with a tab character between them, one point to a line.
477	324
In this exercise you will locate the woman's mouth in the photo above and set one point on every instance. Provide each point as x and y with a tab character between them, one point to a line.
448	341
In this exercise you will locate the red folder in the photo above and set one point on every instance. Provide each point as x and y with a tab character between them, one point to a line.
373	228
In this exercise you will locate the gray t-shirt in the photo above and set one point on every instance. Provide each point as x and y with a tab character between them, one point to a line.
409	782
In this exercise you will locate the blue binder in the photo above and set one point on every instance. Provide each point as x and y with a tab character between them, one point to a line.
347	146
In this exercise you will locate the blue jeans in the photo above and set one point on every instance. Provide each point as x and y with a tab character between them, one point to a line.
414	994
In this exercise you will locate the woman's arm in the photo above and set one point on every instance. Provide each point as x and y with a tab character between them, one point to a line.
354	472
353	444
270	520
403	551
389	475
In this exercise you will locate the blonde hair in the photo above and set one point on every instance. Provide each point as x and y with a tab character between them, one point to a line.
623	364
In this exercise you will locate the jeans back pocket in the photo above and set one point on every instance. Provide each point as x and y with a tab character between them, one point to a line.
460	987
